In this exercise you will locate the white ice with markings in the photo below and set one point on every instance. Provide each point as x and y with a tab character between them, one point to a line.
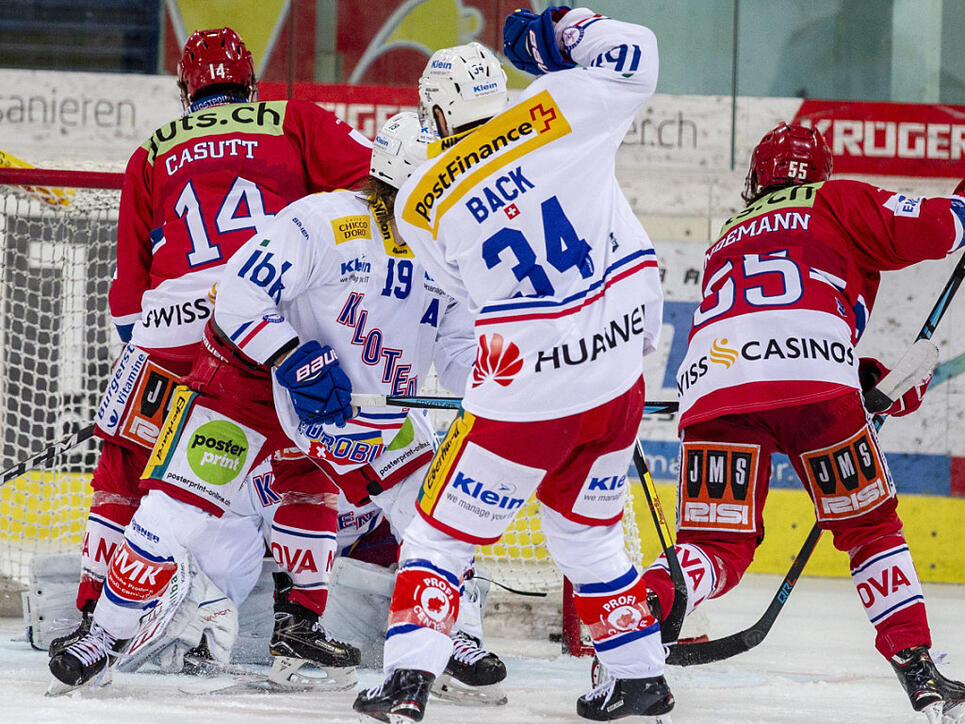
818	664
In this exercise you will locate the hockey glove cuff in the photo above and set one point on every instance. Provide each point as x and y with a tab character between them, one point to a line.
320	391
871	372
529	41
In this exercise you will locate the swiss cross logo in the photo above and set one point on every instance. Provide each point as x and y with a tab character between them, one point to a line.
538	113
511	211
496	360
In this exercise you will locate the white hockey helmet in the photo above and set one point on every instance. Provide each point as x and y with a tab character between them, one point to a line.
466	82
399	147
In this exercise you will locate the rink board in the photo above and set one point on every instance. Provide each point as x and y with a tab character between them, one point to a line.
32	509
931	524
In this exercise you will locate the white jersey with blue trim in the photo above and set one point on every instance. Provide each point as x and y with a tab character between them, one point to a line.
523	219
328	268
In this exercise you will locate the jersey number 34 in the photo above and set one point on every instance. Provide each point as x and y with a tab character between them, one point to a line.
564	249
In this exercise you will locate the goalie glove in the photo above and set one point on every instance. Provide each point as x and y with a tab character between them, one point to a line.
529	41
320	391
871	371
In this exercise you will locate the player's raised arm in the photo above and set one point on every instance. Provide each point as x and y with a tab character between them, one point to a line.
560	38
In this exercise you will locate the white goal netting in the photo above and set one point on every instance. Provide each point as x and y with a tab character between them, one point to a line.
56	353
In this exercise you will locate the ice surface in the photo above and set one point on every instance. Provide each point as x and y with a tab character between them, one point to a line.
817	665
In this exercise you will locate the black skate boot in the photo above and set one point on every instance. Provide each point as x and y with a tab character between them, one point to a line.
83	628
86	661
619	698
298	639
399	699
929	692
472	674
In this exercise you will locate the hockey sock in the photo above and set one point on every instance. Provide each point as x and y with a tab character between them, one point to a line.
699	571
625	633
424	608
109	515
303	543
887	583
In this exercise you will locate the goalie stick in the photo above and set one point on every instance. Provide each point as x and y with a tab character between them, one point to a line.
454	403
705	652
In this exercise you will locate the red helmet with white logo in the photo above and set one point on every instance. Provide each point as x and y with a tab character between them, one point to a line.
788	155
215	57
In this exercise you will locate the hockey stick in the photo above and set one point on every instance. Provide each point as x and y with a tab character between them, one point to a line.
706	652
47	455
454	403
670	628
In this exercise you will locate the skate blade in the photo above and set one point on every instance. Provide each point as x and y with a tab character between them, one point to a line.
90	688
450	689
285	674
954	713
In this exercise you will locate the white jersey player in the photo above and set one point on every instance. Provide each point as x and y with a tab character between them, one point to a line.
523	220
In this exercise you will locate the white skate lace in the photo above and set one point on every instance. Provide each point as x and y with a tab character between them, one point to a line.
377	690
603	691
95	645
466	651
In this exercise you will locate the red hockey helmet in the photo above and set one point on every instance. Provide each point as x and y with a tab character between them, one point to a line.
786	156
215	57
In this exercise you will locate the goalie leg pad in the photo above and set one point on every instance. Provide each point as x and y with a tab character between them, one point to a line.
358	607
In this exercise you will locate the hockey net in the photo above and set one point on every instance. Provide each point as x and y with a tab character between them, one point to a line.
57	246
57	234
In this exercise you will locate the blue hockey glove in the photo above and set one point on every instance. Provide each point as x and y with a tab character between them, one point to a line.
320	391
529	41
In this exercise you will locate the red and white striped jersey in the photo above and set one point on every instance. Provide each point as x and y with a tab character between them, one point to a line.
198	189
524	220
788	287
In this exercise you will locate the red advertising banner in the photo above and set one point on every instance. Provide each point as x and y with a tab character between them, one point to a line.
365	108
894	139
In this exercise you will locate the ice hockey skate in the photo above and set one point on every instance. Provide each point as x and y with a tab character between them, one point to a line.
399	699
298	639
473	674
619	698
85	662
83	628
940	699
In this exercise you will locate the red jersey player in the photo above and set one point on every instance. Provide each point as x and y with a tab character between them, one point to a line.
771	367
193	193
